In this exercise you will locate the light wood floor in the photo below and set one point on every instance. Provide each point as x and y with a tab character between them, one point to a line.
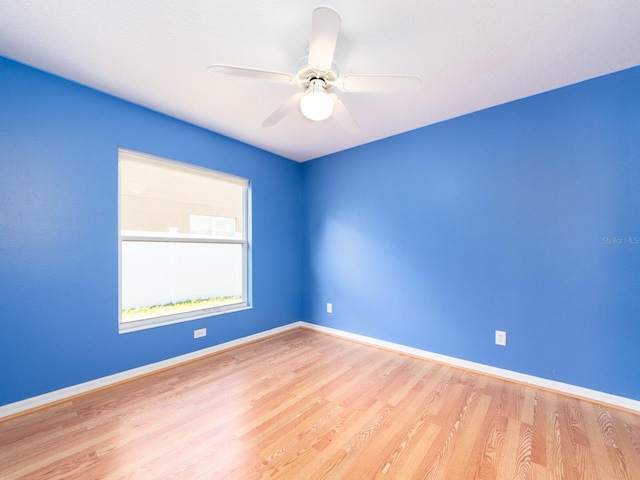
305	405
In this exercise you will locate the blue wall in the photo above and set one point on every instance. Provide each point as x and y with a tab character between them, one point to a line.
59	233
497	220
433	239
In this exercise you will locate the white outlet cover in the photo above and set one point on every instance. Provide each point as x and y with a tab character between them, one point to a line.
329	307
501	338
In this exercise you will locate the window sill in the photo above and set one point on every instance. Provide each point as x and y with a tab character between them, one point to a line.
173	319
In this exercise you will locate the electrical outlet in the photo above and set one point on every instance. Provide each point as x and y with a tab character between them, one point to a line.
501	338
200	333
329	307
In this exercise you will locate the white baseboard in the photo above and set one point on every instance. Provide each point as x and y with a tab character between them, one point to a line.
563	388
75	390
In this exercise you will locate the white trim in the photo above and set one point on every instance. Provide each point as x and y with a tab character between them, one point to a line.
564	388
74	390
145	324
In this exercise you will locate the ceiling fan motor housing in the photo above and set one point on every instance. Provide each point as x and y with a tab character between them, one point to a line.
305	73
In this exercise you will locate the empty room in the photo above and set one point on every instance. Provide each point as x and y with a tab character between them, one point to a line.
301	241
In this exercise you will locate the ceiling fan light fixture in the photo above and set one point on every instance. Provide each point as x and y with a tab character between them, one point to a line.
316	104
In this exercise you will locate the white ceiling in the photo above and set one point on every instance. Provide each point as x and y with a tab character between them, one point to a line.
470	54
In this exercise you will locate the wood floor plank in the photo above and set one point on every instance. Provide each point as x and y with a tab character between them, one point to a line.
509	461
435	461
540	432
417	412
484	456
462	461
628	444
305	405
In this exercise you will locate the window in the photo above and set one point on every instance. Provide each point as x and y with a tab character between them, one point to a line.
183	242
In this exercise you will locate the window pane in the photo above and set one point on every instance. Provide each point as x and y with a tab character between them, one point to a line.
164	278
161	197
218	227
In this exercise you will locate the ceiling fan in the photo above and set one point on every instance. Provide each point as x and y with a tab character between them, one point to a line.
318	76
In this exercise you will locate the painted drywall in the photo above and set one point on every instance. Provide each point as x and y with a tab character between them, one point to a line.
59	233
520	218
523	218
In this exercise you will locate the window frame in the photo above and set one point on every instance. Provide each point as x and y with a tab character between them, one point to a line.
152	322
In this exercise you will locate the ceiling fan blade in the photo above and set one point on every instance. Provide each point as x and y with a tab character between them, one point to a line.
380	83
342	115
325	27
283	110
250	73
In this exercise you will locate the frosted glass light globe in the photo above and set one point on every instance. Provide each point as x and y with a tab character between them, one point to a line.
316	104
